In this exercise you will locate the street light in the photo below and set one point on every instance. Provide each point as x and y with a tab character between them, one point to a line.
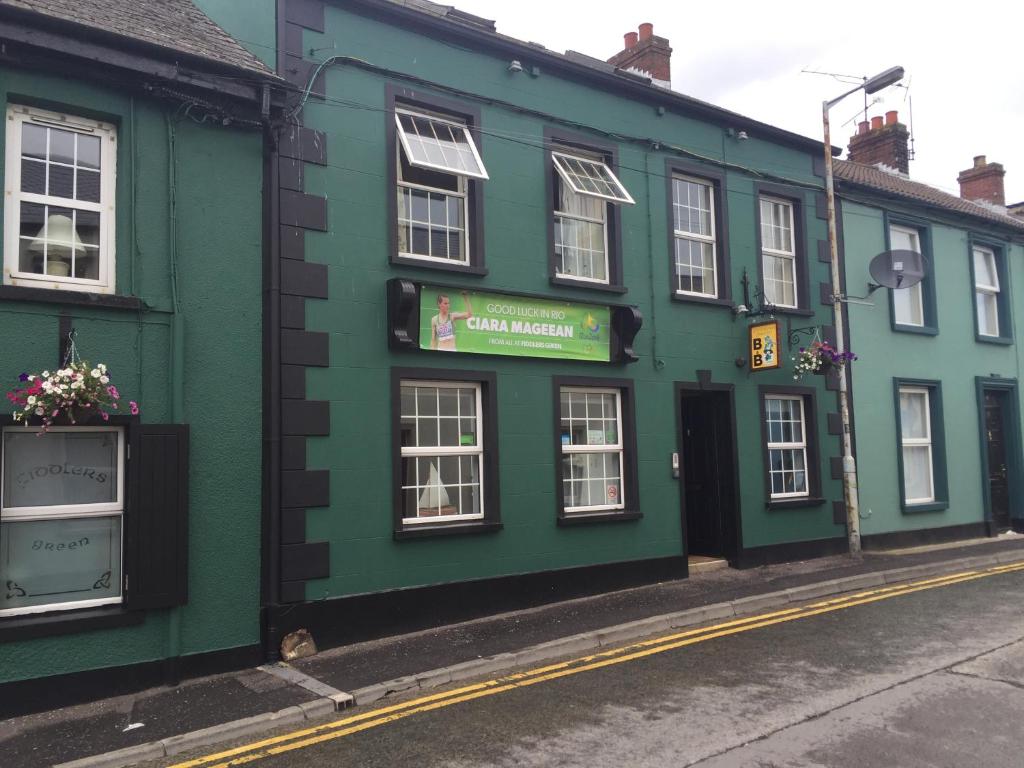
871	85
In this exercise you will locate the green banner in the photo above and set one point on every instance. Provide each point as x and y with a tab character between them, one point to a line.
496	324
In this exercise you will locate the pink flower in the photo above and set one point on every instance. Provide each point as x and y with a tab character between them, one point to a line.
134	407
105	416
112	391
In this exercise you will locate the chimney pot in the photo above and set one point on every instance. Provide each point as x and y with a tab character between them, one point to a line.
979	161
646	31
630	38
862	127
875	144
891	117
876	122
644	53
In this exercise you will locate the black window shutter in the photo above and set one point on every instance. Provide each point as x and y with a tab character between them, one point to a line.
156	545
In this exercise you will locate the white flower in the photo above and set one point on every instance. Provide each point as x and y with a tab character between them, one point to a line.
102	367
104	379
46	373
39	411
31	400
76	385
95	373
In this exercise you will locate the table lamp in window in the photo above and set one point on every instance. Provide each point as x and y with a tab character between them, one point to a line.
55	243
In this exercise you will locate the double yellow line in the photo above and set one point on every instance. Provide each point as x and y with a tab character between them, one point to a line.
346	726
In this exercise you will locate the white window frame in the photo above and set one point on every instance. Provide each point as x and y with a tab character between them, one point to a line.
800	445
68	512
17	116
983	290
561	159
790	255
603	221
918	442
408	451
915	292
618	448
461	192
712	239
450	169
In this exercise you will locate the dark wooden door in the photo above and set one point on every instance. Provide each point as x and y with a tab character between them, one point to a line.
998	477
707	472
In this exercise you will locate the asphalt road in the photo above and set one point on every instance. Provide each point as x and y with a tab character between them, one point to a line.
933	678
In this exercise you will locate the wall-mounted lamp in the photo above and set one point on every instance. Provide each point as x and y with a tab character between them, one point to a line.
515	66
742	136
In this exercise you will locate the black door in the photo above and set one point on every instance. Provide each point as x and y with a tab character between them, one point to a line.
998	477
706	468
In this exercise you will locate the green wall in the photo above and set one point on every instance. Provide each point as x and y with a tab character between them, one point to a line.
953	356
676	341
219	279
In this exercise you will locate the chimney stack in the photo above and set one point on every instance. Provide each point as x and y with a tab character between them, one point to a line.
883	142
983	182
646	54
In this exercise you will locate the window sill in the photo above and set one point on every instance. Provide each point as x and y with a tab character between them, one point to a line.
799	503
450	529
793	311
33	626
587	286
80	298
685	298
584	518
922	330
1003	340
465	269
932	506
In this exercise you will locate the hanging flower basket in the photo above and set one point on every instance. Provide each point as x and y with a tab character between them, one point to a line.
75	394
820	359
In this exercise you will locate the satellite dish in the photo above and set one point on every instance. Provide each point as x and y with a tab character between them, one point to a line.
897	269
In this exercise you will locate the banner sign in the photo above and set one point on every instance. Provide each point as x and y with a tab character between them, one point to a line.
764	346
454	320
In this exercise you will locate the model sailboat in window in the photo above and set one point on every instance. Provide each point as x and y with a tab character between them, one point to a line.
434	500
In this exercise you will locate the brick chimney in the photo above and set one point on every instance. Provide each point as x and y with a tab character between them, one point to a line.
881	143
646	54
983	182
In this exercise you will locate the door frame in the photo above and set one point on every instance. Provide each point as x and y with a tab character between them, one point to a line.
730	390
1012	432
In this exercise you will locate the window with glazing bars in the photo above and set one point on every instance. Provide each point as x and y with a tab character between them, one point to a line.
592	449
441	451
787	446
693	212
437	159
778	252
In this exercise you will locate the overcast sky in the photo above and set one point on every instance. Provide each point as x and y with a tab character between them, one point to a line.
963	64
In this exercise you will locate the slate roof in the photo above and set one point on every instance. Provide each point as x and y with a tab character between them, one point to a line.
900	186
177	26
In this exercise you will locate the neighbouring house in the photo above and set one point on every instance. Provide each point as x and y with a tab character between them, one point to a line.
936	397
132	236
513	358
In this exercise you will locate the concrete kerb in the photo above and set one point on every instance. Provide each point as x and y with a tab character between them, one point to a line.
533	655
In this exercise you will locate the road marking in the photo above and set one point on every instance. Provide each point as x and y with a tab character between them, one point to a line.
307	737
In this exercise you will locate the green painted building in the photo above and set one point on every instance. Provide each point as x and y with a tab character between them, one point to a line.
511	358
935	390
132	225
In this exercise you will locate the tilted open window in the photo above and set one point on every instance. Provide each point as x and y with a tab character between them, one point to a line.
438	144
589	177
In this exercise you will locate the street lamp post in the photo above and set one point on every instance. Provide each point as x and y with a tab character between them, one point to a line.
871	85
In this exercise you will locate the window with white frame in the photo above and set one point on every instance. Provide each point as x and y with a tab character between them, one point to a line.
442	451
778	252
916	438
693	214
437	159
907	303
59	183
787	446
592	449
61	511
584	186
986	290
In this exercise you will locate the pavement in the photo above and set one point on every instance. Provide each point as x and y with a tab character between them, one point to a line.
165	721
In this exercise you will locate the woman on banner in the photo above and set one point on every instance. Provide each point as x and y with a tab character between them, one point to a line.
442	325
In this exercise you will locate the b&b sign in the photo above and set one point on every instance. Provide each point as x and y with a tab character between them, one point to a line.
764	346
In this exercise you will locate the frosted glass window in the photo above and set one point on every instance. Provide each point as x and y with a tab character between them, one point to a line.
908	303
986	290
915	427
